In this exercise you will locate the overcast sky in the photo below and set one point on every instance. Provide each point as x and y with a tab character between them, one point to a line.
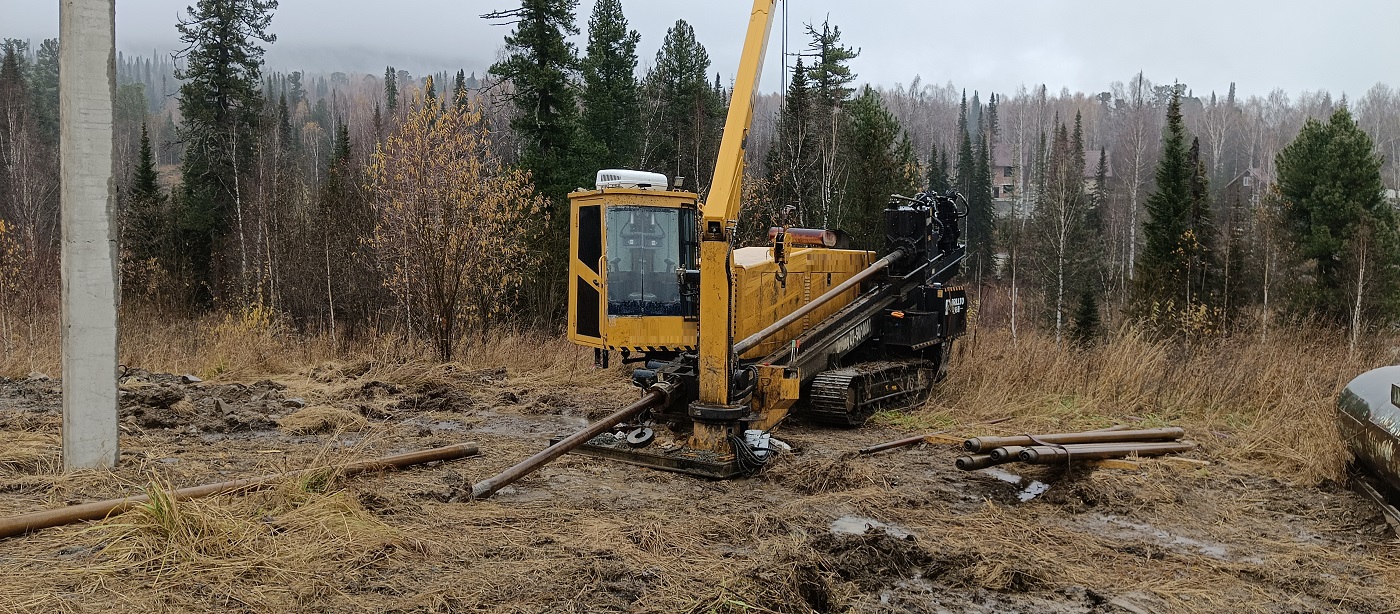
1340	45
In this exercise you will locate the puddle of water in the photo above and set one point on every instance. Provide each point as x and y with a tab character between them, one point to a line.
858	525
1033	490
1210	549
1003	475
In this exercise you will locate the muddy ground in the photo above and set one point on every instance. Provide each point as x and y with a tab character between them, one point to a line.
823	530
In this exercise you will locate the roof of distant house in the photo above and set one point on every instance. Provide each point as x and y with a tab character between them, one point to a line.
1091	161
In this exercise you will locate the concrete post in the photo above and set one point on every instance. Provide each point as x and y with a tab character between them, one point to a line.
87	86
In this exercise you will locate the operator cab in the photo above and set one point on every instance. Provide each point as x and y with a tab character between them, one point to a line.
630	236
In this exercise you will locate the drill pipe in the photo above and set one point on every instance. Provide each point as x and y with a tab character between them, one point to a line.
978	444
976	461
1007	454
804	236
1044	455
488	487
909	441
753	340
97	510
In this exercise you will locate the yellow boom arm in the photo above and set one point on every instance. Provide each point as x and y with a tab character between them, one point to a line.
719	216
722	205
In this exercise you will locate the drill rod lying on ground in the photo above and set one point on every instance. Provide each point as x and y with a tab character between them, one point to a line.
97	510
488	487
983	444
1065	447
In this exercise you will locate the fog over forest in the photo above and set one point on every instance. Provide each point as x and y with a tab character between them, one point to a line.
1079	44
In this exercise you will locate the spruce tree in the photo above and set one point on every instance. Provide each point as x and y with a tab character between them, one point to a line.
146	221
459	89
44	88
938	182
539	62
1173	270
391	90
793	161
1087	325
685	110
611	97
975	183
220	102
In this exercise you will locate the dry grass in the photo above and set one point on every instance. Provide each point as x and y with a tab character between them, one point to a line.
322	419
1266	405
589	536
28	453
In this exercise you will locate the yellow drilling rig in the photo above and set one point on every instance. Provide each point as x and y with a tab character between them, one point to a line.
738	338
729	341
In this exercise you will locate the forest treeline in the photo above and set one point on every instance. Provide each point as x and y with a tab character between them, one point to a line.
435	206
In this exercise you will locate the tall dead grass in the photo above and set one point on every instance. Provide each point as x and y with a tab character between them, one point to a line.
1268	404
256	343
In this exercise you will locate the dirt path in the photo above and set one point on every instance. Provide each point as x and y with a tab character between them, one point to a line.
823	530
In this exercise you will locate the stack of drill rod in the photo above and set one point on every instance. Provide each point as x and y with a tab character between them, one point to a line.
1064	448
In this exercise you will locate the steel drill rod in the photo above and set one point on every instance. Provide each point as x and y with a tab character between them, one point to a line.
753	340
488	487
1043	455
978	444
974	462
97	510
1006	455
909	441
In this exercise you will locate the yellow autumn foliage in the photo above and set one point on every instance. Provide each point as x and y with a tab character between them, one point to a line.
454	223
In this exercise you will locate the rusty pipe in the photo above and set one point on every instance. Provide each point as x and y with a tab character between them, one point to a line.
816	237
890	445
97	510
488	487
1042	455
978	444
974	462
753	340
909	441
1006	455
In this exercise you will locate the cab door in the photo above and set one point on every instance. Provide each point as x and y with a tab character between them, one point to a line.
586	272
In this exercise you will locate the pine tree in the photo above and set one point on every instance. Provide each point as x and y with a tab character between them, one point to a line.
830	72
219	102
611	98
830	76
881	162
391	90
1339	221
